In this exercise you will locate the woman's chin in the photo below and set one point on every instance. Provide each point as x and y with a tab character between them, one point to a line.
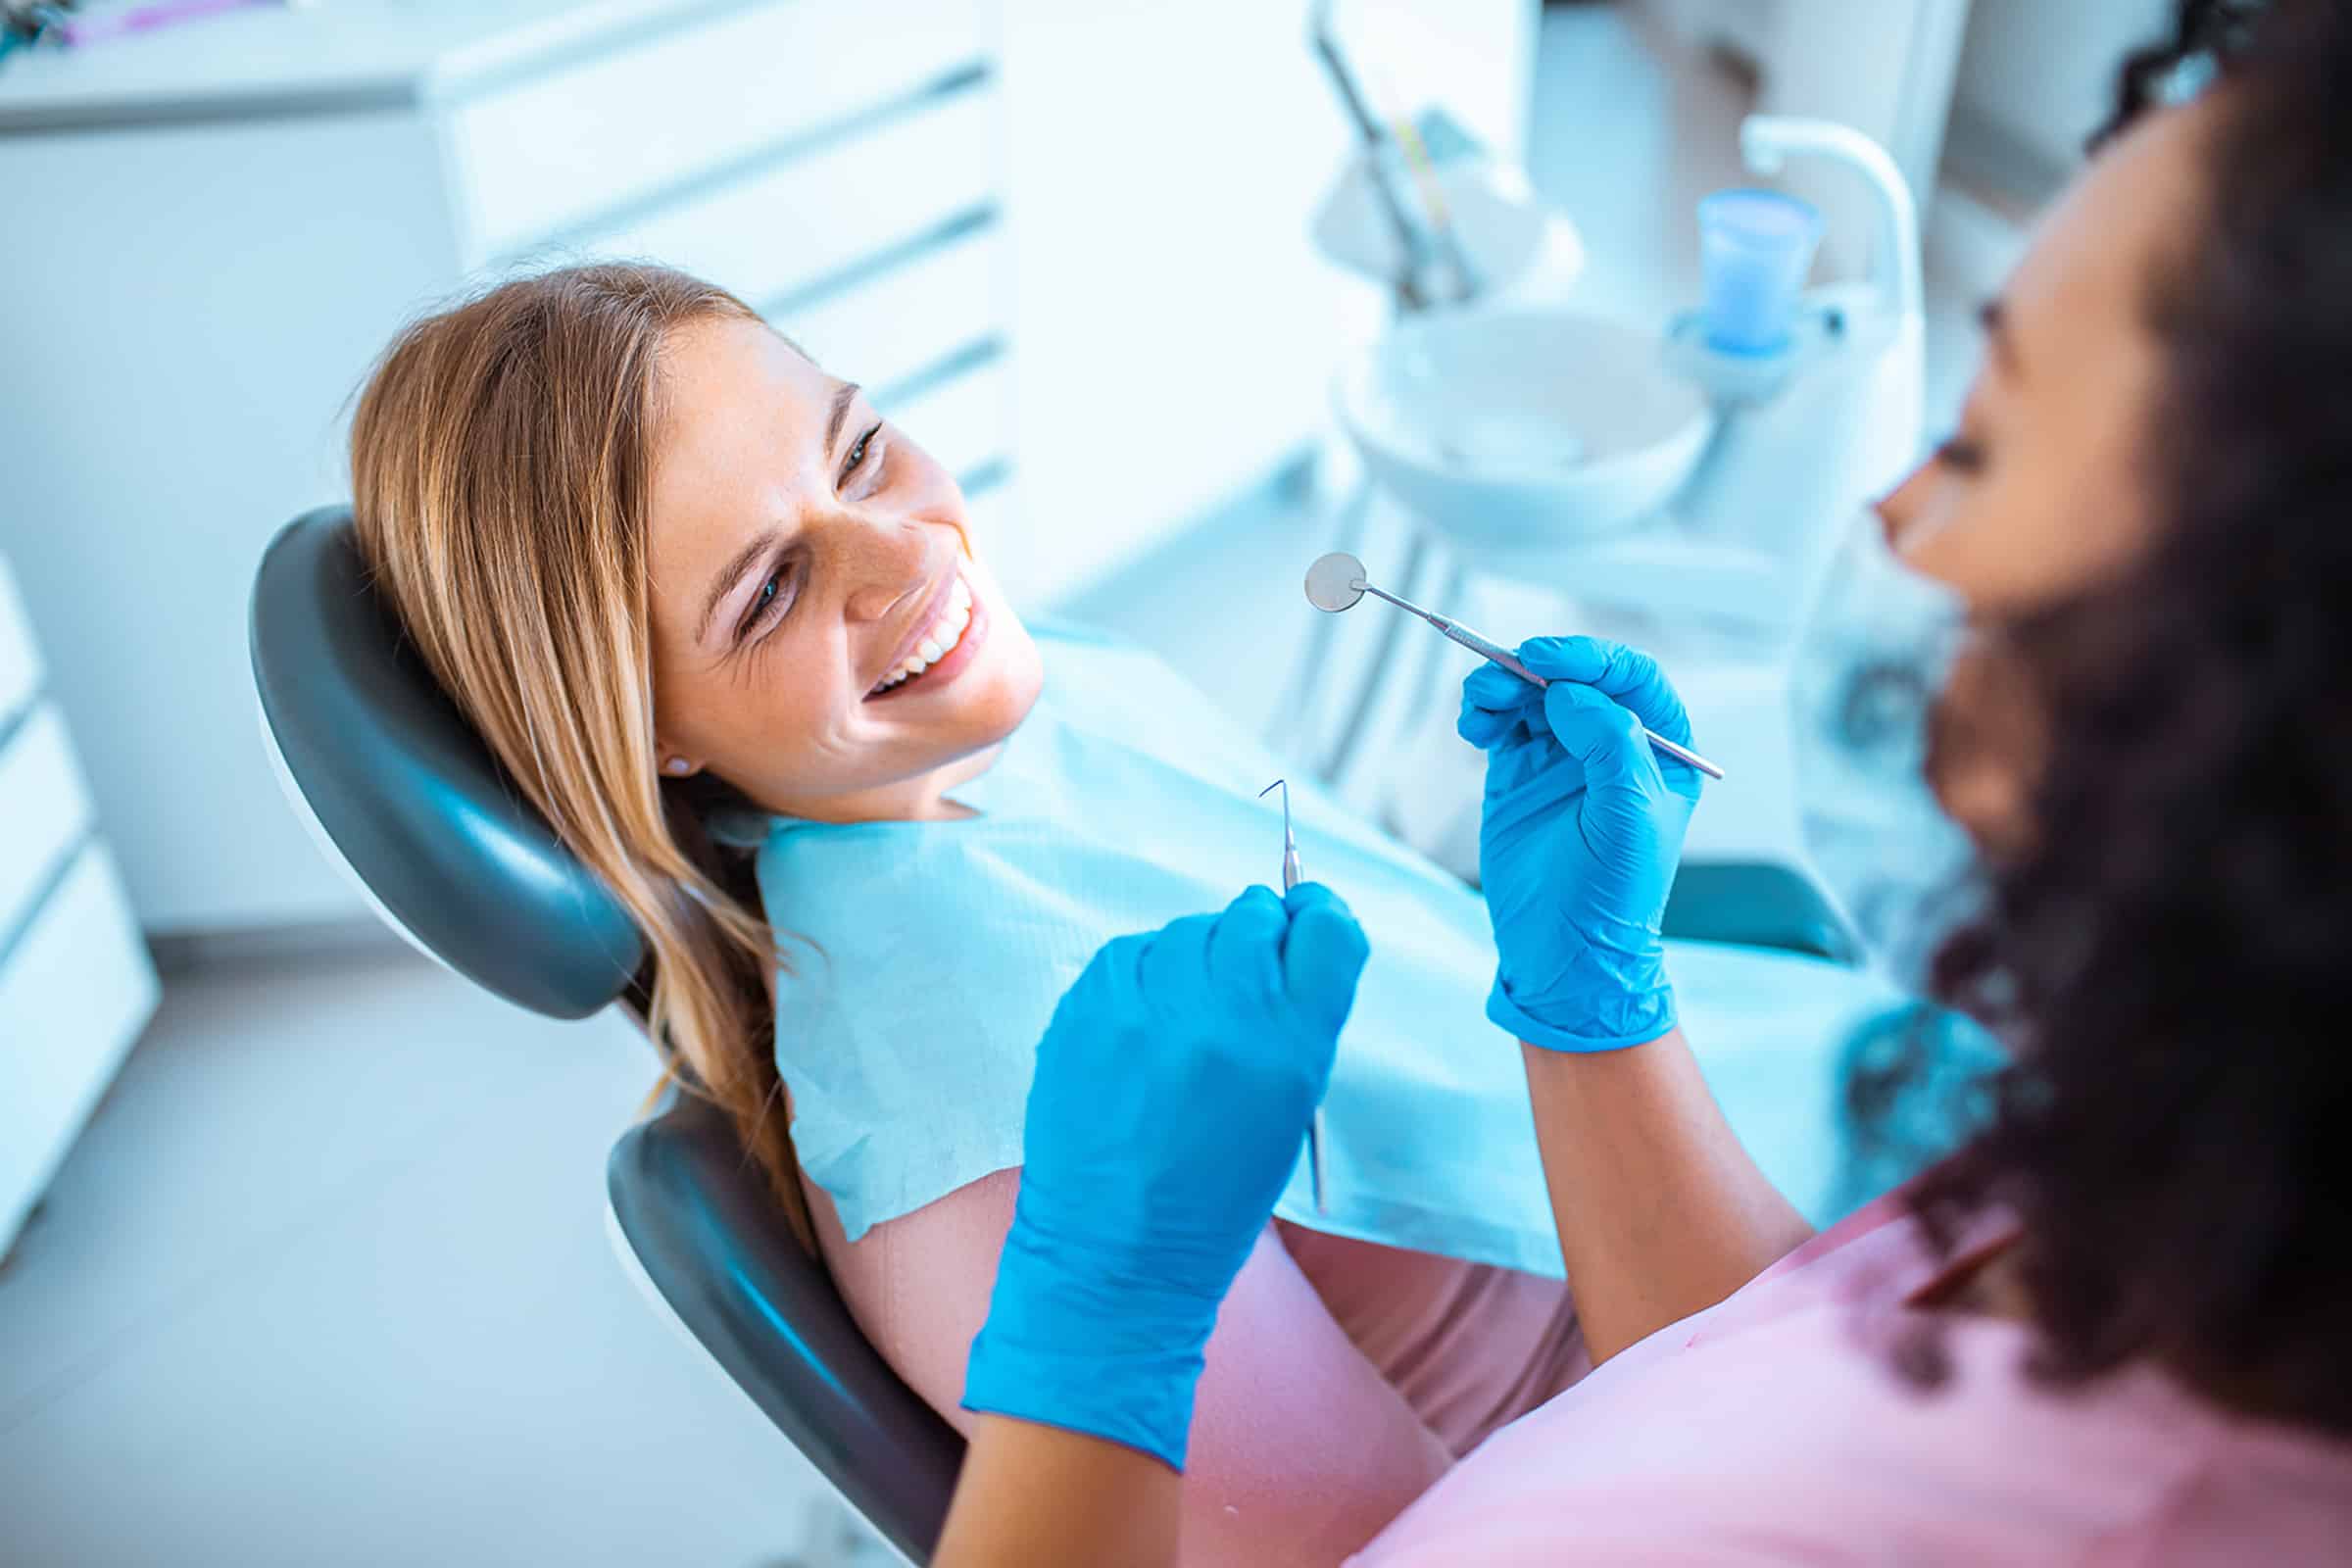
1016	675
1010	673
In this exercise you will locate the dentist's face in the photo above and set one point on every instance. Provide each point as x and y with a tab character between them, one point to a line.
823	638
2044	490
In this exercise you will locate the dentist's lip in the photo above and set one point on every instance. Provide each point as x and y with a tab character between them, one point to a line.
919	624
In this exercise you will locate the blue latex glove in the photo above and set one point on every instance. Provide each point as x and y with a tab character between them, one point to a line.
1171	1095
1578	840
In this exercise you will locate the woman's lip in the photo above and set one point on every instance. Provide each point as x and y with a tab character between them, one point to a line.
923	622
958	659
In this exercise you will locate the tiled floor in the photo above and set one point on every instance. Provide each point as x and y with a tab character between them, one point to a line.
327	1280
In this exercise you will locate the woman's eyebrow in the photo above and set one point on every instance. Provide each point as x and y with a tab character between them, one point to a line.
1994	316
735	567
845	394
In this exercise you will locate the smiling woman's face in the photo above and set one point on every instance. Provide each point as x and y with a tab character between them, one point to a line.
823	638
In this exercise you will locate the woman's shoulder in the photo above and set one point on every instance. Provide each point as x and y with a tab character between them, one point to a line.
1085	664
1107	689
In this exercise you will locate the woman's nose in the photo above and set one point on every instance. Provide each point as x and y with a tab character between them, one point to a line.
884	564
1899	508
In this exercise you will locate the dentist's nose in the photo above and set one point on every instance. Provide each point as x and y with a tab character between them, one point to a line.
885	563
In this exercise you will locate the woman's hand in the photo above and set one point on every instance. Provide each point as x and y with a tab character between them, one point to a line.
1172	1090
1581	833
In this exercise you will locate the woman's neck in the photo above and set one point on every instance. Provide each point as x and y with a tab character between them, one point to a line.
923	797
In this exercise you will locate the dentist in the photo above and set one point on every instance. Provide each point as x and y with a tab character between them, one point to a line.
2111	1328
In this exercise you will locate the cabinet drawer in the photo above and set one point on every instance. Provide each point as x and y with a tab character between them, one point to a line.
965	422
785	227
74	995
917	313
44	808
554	151
19	665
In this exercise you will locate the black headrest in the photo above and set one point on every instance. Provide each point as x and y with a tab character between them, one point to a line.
404	792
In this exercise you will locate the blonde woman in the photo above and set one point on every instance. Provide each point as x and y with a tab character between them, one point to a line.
659	557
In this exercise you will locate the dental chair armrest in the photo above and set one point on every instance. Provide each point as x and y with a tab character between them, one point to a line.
705	1228
1755	904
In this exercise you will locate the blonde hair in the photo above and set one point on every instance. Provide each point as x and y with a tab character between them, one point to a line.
499	461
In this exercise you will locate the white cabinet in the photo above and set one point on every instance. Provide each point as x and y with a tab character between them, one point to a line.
214	230
75	985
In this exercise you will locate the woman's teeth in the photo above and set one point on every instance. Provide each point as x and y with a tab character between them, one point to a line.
938	641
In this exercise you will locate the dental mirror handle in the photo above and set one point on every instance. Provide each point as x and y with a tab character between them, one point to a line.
1510	662
1657	742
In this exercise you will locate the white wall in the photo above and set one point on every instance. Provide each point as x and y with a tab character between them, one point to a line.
1175	327
1884	67
2041	73
1746	26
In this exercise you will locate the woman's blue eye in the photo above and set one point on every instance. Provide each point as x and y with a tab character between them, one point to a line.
763	608
856	458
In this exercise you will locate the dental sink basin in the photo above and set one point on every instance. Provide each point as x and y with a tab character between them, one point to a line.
1519	431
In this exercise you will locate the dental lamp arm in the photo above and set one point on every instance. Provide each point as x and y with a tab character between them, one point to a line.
1660	1210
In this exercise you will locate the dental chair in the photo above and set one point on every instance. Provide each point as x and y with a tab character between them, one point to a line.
400	791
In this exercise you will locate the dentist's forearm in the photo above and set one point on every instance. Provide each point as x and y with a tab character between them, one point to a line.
1661	1212
1032	1493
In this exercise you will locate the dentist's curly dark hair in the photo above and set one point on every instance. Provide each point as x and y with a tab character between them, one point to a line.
2170	955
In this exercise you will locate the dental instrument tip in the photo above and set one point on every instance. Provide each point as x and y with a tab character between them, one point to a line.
1293	874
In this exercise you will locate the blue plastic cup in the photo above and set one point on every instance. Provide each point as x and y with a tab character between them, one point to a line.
1755	249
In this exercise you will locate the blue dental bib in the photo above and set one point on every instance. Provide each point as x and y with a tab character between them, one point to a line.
921	960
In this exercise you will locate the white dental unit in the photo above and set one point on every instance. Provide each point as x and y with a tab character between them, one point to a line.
1670	475
1677	484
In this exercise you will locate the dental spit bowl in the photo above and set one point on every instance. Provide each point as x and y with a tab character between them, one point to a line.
1520	431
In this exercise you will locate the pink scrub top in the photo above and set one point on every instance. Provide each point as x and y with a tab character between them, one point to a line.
1773	1427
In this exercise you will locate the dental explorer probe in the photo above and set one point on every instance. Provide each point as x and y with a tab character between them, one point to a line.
1337	582
1291	877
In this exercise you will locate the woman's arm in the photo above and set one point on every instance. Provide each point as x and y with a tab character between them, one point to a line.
1170	1093
1031	1494
1300	1450
1660	1208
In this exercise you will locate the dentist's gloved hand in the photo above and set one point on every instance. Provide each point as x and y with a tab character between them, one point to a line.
1579	839
1171	1094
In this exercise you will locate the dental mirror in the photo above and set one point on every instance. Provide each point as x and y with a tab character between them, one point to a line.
1335	582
